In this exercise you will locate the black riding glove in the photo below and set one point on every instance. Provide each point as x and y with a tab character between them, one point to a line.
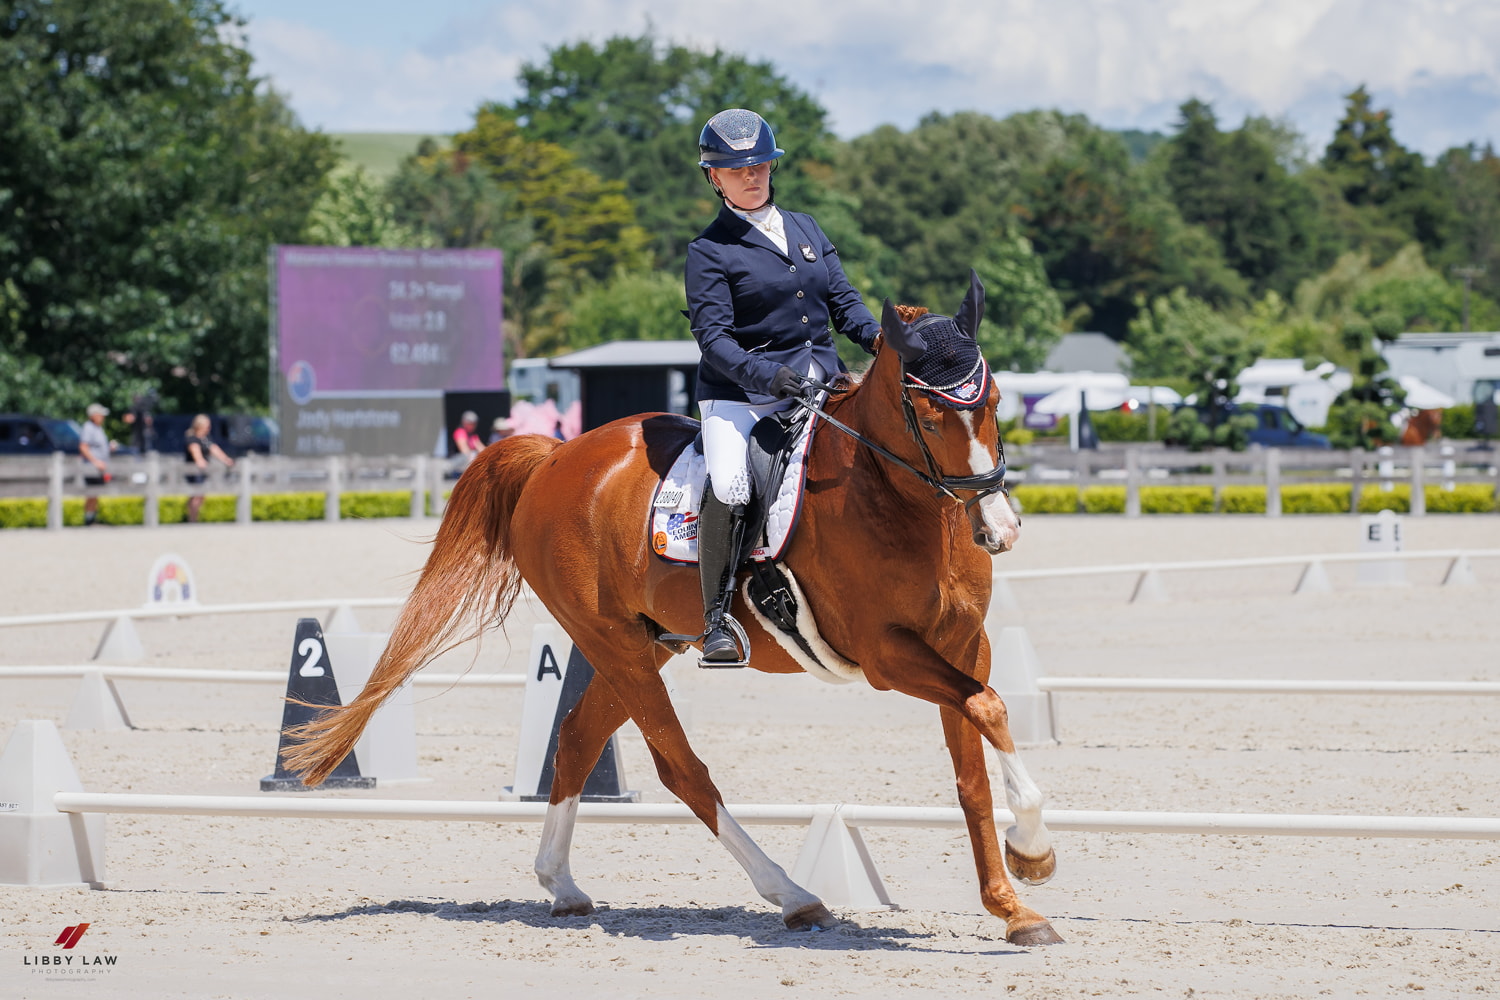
787	384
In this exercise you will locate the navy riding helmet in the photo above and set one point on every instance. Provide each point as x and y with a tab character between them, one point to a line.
736	138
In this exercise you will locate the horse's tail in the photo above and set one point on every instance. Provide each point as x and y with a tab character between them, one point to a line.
468	584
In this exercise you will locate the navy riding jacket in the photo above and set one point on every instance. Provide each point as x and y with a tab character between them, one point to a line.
754	308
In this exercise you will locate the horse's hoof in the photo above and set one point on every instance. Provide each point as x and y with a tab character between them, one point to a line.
573	908
1033	935
813	916
1032	871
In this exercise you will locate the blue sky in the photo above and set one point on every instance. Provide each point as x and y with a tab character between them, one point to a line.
383	66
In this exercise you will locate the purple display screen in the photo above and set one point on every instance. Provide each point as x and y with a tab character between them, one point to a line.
374	321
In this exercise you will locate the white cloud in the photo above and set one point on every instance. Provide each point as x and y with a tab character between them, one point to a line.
1122	62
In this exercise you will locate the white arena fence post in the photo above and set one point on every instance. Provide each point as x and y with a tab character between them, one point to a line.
244	508
1314	579
120	643
1273	482
331	495
97	705
1015	671
1132	483
55	492
342	620
835	865
419	486
1460	573
40	846
1416	459
387	749
1149	589
151	514
435	481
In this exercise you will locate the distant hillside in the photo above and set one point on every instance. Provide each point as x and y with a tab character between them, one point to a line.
380	152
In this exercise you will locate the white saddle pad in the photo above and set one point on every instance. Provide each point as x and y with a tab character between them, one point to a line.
674	509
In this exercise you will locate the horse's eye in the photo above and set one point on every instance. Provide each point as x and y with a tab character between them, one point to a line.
929	425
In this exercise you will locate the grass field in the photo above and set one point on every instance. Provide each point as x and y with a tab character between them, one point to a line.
380	152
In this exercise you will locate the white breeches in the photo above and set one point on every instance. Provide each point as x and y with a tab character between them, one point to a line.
726	441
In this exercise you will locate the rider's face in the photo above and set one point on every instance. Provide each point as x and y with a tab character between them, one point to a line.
747	188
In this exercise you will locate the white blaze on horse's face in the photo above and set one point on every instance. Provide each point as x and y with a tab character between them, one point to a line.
996	527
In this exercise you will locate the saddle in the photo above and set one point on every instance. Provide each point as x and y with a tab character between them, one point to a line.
778	471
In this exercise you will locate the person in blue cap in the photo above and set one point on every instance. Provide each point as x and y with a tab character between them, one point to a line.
763	286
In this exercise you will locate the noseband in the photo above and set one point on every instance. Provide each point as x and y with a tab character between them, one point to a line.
983	484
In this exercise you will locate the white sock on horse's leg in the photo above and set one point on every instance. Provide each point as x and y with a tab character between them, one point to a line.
1029	836
769	878
552	861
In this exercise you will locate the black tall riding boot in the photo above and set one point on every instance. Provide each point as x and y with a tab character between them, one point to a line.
719	529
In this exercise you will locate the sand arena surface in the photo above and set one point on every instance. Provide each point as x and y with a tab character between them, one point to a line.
204	907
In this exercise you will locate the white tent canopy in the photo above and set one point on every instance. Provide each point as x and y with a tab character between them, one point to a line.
1421	396
1070	399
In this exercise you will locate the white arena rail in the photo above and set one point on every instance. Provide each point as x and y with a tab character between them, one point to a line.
195	610
1067	820
237	676
1252	562
1188	685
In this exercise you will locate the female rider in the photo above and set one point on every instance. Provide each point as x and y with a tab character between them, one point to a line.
762	287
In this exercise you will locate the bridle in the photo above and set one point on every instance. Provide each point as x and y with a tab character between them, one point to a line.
984	484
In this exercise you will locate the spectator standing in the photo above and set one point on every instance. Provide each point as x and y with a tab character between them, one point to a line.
501	429
466	441
198	447
93	448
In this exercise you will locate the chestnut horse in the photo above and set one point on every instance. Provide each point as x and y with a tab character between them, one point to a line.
570	520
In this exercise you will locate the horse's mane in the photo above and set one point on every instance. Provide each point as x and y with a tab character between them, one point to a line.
908	314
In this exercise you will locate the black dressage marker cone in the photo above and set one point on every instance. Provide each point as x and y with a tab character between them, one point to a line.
311	680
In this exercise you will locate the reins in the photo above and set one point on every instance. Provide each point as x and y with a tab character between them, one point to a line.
984	483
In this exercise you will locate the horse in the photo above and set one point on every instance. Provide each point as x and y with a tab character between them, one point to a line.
568	519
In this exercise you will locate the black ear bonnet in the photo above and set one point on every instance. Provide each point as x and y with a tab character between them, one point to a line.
941	355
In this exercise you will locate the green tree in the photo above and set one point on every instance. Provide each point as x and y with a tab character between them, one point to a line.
1023	315
144	174
1177	335
1472	175
630	109
933	199
562	228
355	212
1387	188
633	305
1234	185
1109	236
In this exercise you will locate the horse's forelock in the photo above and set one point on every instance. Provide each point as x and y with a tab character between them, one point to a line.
909	314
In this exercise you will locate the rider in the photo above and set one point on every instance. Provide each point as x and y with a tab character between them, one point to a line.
762	287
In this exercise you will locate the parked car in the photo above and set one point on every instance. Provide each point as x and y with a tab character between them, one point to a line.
237	433
21	434
1275	427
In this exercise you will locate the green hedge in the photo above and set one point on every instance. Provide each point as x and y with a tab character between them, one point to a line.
31	512
1323	498
1047	499
1104	499
1465	498
1243	500
23	513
